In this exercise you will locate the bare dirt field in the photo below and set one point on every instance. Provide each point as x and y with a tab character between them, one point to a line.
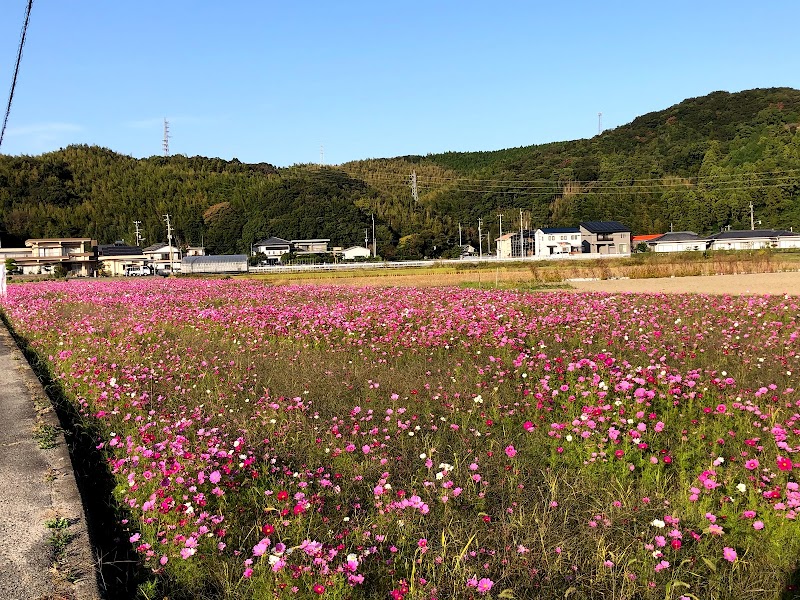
758	283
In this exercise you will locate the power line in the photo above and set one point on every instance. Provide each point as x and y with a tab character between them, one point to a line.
626	181
747	181
16	68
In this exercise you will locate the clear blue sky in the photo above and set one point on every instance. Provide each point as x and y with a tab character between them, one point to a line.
267	81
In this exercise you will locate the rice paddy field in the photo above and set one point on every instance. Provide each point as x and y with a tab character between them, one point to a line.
327	441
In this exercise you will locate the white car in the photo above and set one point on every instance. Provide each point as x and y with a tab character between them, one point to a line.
137	271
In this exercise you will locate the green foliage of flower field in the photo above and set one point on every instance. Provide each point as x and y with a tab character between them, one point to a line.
440	443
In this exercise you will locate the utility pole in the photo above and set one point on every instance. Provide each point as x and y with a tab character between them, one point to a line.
480	239
752	222
138	232
459	235
374	243
165	142
500	215
521	237
366	238
169	240
414	193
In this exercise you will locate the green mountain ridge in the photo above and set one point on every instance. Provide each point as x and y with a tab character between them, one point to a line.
694	166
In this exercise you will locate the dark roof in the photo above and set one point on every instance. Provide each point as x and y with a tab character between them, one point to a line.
118	250
678	236
272	241
738	234
154	247
552	230
605	226
215	258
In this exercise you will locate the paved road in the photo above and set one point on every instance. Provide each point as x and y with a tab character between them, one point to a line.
36	486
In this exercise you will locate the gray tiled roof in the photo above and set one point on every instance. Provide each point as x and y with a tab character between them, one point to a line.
738	234
678	236
273	241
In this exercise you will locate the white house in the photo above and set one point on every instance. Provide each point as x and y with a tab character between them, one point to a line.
555	241
118	257
678	241
356	252
273	248
756	239
163	257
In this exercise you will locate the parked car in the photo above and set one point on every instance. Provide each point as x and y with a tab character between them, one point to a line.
137	271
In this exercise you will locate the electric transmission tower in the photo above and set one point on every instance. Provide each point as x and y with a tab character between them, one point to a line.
165	142
599	123
414	192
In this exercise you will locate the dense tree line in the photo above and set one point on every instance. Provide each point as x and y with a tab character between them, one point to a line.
694	166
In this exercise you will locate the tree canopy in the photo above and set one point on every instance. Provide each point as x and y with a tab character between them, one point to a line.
694	166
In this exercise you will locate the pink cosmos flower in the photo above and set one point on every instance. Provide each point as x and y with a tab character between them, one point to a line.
784	464
751	464
214	477
729	554
511	452
484	585
261	548
758	525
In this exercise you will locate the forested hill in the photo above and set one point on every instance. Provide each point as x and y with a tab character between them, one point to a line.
696	165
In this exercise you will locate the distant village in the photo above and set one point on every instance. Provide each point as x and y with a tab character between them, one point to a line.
84	257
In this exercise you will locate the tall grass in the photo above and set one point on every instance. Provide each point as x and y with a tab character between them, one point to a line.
305	442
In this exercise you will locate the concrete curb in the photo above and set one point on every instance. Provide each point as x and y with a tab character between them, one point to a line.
37	487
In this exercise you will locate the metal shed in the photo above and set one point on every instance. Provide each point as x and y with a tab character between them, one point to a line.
220	263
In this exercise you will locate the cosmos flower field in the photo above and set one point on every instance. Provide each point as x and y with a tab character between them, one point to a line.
439	443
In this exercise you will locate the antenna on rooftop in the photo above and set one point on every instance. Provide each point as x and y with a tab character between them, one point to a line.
165	142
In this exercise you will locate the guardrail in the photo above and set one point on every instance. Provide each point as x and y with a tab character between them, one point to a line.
402	264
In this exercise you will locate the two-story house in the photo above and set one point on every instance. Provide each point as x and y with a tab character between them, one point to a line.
75	255
163	257
554	241
605	237
272	248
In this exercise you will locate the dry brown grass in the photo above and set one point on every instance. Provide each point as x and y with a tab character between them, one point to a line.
552	273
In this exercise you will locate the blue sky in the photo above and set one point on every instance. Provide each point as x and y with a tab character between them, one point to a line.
273	81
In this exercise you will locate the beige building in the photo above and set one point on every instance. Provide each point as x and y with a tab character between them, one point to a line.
605	237
74	254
